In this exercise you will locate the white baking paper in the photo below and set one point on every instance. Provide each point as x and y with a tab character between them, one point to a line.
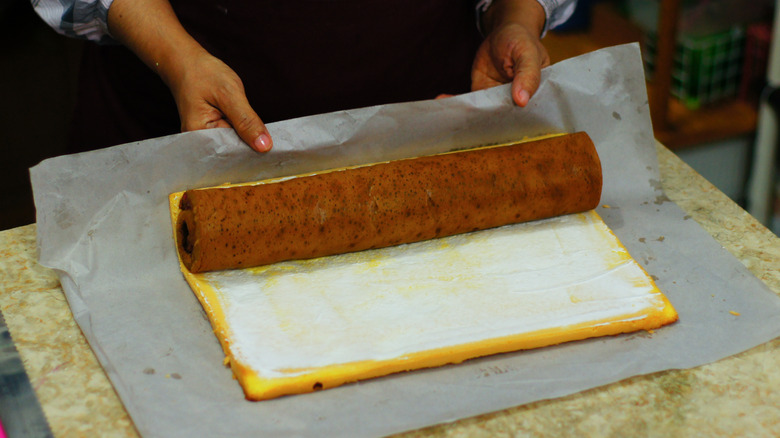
103	224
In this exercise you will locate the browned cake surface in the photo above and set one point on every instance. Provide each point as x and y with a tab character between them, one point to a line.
387	203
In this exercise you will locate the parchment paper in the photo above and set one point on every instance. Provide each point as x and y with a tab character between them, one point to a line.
103	224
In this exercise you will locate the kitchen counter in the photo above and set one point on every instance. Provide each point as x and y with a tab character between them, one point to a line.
736	396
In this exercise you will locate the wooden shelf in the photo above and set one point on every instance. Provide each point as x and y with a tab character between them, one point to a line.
683	127
687	128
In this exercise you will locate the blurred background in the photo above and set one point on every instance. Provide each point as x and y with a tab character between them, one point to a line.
706	62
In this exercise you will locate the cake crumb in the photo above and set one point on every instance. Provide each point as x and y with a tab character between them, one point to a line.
226	361
734	313
607	206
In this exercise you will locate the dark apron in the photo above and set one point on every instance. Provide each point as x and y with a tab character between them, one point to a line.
295	58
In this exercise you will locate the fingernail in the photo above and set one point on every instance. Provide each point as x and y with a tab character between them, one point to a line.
262	142
523	98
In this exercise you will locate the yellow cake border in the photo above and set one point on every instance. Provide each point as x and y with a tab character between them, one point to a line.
308	380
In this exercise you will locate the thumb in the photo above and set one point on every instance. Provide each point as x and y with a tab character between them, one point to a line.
247	123
527	76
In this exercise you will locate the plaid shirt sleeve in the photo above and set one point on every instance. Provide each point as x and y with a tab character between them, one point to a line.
87	19
84	19
556	11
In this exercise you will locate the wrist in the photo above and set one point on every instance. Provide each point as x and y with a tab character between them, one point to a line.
527	13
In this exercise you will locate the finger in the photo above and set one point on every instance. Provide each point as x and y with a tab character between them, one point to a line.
520	95
444	96
481	81
199	114
527	76
219	123
246	122
482	77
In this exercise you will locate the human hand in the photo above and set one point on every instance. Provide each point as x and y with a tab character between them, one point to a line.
209	94
512	51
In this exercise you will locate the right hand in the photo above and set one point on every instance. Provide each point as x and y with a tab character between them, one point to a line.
513	50
209	94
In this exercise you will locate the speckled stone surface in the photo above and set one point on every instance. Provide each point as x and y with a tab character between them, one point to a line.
736	396
76	396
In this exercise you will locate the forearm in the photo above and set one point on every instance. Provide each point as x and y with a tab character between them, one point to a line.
152	31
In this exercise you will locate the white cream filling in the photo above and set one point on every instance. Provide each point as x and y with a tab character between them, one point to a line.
388	303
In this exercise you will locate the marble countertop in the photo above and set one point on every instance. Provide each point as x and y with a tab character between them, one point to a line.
736	396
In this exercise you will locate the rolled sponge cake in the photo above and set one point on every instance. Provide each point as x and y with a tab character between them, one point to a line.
386	204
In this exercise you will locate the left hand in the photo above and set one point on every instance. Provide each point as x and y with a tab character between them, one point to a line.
512	51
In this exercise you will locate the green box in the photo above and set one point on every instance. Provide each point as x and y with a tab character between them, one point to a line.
706	68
